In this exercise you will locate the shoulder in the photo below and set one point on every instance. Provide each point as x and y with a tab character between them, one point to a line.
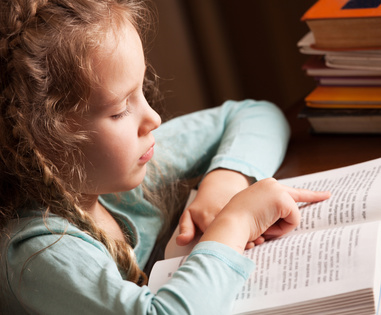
36	231
45	241
45	260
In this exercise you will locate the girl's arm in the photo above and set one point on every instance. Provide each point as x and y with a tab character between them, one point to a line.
235	144
69	272
214	192
266	209
50	274
249	137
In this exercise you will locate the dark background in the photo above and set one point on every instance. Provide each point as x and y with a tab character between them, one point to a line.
208	51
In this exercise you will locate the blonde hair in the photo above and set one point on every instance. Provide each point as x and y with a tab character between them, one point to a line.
46	75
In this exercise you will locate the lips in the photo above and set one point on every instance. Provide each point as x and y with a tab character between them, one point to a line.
148	155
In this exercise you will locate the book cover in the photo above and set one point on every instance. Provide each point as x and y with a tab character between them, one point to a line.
343	121
349	81
307	46
315	66
307	112
363	60
345	96
345	24
336	9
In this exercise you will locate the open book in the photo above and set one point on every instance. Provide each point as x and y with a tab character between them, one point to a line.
330	264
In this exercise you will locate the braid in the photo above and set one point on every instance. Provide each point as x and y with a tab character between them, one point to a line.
45	76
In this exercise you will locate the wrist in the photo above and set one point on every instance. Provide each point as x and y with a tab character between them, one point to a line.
230	229
234	178
221	185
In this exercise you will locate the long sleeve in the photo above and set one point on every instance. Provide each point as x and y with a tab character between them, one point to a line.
248	136
71	273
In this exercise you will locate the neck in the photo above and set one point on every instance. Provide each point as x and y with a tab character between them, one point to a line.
104	219
89	203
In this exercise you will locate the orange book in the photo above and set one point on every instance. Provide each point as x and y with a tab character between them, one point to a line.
344	97
345	24
336	9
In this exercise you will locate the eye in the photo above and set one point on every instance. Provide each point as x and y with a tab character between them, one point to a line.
121	115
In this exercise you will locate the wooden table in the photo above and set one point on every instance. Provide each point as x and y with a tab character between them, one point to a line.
308	152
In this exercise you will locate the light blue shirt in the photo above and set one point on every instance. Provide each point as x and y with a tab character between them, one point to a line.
52	267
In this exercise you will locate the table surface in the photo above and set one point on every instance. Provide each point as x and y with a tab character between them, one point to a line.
309	153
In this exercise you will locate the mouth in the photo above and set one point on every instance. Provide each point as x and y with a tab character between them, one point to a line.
148	155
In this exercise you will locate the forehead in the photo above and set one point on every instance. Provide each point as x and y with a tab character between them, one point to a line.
122	34
120	45
118	64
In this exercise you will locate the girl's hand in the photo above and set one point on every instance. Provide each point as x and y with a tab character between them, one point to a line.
215	191
264	210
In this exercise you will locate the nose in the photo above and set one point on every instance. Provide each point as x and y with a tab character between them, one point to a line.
150	119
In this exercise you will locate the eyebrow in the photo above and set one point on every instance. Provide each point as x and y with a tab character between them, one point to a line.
117	99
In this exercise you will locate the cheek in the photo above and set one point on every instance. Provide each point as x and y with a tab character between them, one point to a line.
108	152
112	158
107	164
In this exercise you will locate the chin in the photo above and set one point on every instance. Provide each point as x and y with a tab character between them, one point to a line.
132	184
121	183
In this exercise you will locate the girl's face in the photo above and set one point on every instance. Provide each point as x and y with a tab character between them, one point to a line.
119	120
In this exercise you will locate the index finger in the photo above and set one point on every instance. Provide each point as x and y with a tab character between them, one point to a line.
306	195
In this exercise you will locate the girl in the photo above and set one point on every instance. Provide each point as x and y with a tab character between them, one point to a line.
79	218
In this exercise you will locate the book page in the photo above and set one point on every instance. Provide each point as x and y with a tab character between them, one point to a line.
162	271
172	249
313	265
303	267
355	196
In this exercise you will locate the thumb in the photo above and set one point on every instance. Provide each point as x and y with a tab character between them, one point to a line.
187	229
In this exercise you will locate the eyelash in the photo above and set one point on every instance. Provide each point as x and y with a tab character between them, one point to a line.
126	111
121	115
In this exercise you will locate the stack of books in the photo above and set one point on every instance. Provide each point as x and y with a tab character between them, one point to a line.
344	49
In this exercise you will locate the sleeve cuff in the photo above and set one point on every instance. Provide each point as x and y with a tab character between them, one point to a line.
239	166
239	263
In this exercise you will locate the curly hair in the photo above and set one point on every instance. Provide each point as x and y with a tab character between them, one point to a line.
46	75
